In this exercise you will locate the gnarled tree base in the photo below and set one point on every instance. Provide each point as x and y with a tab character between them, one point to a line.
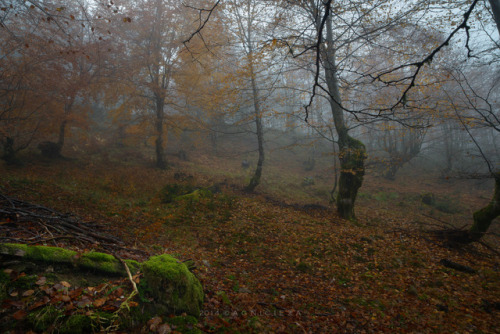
484	217
352	159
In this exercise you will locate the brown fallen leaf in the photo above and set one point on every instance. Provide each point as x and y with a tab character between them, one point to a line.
19	315
36	305
164	329
14	303
70	306
84	302
153	323
99	302
28	293
41	281
75	293
65	284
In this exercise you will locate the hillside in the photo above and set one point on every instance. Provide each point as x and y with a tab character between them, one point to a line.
280	260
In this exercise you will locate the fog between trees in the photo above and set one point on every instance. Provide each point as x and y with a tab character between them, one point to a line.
374	85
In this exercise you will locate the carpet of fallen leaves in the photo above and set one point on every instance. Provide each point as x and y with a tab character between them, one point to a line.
271	267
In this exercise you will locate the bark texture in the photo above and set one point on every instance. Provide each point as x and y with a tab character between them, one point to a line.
485	216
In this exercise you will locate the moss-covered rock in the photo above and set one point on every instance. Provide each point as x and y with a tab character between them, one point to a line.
184	324
196	195
173	288
170	192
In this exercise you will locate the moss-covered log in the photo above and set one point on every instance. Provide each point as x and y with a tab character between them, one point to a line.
484	217
93	261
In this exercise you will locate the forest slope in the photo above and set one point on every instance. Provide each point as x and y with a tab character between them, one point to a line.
269	265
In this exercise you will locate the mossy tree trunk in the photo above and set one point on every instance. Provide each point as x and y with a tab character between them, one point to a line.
484	217
352	171
352	152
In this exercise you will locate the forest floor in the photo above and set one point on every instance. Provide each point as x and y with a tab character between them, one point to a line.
280	264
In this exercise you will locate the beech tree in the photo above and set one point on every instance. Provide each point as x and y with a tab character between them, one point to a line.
474	107
152	32
247	18
56	53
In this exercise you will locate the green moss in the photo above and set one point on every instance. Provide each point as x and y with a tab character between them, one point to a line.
76	324
50	254
184	324
172	286
196	195
165	266
304	267
133	266
39	253
23	282
428	198
42	319
352	158
171	191
101	262
94	261
14	249
102	319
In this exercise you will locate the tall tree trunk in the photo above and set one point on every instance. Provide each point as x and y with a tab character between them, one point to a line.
255	180
62	128
352	152
9	154
160	154
62	134
495	8
484	217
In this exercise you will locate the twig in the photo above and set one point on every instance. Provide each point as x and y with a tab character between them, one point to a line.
134	286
